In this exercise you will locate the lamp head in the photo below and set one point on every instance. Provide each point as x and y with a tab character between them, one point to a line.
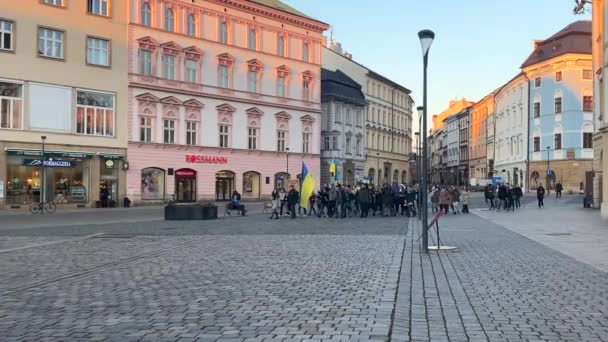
43	137
420	110
426	39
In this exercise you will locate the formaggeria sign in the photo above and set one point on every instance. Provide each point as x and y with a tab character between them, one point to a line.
48	163
191	158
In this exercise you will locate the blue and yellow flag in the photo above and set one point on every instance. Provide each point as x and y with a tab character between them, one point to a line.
307	188
332	167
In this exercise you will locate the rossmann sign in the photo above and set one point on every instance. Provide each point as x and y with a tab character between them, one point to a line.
192	158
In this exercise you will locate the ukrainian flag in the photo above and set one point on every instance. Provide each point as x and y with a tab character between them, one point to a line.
307	188
332	167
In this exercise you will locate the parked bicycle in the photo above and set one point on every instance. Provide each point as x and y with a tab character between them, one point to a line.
37	208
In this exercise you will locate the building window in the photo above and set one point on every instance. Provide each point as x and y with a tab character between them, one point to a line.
252	138
305	142
588	103
224	32
145	129
587	74
94	113
537	82
558	105
558	141
191	70
334	143
145	62
98	51
326	143
146	14
252	81
281	46
224	135
587	140
50	43
281	86
169	20
169	67
558	76
358	146
281	141
53	2
169	131
190	133
99	7
191	25
252	38
11	102
224	76
6	35
306	90
305	52
347	147
536	109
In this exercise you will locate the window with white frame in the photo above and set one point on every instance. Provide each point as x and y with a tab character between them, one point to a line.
281	138
169	20
537	109
587	74
588	140
145	62
190	133
334	143
252	135
50	43
146	14
169	131
252	38
349	118
252	81
536	144
305	52
223	78
94	113
358	146
99	7
145	129
306	142
558	105
348	141
558	76
223	32
224	135
53	2
191	70
537	82
588	103
326	143
6	35
11	105
281	86
169	67
558	141
281	46
306	89
191	23
98	51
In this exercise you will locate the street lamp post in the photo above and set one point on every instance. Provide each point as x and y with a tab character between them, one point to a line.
287	163
548	172
426	39
418	173
43	138
378	170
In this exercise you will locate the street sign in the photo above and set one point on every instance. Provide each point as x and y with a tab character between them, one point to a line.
549	172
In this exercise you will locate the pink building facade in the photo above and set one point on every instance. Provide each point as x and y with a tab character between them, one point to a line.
223	96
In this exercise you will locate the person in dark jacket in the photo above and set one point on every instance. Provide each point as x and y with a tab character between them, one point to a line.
502	197
540	195
489	195
364	198
517	195
558	190
292	199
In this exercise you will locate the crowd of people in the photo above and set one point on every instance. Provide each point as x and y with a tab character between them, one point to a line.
505	197
341	201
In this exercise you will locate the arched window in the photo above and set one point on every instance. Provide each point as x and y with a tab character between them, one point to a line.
191	25
146	14
169	20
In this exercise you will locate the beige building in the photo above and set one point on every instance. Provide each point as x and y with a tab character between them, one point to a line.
64	77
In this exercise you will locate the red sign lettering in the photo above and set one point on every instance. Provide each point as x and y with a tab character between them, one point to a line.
192	158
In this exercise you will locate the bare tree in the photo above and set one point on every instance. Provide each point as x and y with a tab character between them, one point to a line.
580	6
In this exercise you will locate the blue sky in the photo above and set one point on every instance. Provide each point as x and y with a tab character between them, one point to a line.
479	45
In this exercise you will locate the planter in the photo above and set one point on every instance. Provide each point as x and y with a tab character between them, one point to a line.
190	211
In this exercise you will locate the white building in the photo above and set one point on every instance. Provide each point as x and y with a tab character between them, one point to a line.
511	118
451	141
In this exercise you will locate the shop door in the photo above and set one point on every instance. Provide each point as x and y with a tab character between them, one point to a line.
185	185
224	185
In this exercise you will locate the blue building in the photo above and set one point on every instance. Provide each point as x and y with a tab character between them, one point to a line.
560	75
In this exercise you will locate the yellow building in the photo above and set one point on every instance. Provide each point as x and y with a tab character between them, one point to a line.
454	107
63	77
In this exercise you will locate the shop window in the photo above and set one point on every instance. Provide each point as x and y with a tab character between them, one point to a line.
152	184
108	185
95	113
251	185
11	103
224	185
281	181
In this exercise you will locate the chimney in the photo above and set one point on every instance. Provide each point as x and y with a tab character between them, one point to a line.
537	43
348	55
336	47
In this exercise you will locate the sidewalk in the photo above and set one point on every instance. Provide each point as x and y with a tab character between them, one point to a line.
562	225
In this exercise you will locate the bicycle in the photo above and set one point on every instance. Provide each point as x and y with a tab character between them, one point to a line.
37	208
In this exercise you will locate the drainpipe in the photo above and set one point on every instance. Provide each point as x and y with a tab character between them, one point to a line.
527	161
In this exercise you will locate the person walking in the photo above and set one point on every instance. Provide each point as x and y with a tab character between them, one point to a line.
292	199
540	195
331	204
387	200
283	199
444	201
435	200
276	199
466	199
502	197
517	195
558	190
312	204
455	194
364	198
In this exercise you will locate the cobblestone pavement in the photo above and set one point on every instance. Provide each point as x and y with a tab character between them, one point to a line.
254	279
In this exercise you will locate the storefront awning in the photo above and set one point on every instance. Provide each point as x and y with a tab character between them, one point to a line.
69	154
114	156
